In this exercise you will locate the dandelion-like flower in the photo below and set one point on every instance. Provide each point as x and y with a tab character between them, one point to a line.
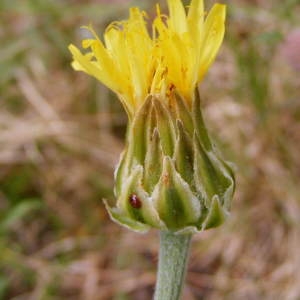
170	175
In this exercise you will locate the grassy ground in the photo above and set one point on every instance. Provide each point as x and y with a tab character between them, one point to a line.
61	133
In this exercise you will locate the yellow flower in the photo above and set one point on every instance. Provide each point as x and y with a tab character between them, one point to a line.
134	65
170	175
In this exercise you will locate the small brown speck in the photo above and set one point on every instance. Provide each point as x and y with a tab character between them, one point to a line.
166	179
134	201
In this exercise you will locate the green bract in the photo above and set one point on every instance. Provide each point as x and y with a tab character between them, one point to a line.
170	176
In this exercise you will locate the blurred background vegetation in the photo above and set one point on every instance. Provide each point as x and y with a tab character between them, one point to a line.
61	133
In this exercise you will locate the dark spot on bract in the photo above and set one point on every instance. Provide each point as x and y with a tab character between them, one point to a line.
135	201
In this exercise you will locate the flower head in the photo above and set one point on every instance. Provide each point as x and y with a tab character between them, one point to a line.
135	64
170	176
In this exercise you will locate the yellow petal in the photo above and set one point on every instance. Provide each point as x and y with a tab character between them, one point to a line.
177	20
138	48
87	43
84	63
115	43
214	28
196	15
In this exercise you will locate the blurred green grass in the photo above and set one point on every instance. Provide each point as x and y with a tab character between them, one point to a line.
61	133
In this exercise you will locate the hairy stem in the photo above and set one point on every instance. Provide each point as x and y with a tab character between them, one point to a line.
173	257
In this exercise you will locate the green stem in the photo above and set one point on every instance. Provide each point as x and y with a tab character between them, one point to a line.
173	257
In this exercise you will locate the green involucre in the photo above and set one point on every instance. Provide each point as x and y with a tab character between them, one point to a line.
170	175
